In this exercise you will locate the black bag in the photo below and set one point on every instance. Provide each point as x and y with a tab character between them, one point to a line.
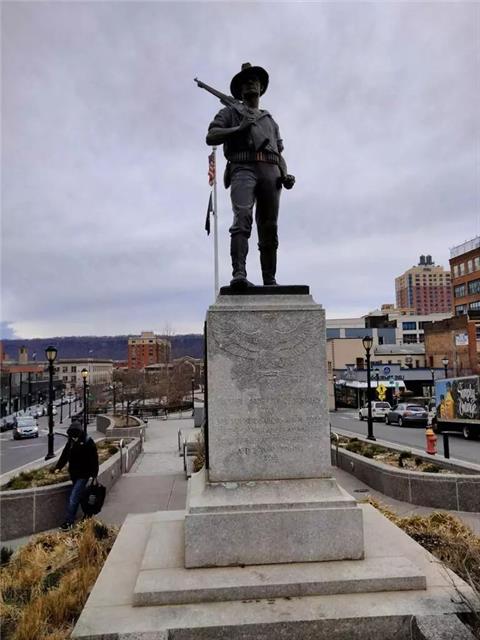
93	498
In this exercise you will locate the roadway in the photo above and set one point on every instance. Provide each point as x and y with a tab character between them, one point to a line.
414	437
15	454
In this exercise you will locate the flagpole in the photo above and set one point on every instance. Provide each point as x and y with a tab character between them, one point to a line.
215	225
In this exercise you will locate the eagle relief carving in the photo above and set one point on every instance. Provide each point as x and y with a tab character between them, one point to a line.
272	345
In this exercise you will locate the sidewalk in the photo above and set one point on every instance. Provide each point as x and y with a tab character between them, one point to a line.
156	482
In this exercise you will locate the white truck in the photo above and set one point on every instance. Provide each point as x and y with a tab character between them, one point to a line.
457	402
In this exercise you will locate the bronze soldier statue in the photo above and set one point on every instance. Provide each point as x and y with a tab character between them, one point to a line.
255	172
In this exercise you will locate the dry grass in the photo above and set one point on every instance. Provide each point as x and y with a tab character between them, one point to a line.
121	421
45	585
449	540
199	460
392	457
45	476
444	536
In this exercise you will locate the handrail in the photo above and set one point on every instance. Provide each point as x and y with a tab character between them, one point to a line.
337	440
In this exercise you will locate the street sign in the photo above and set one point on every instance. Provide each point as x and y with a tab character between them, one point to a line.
381	391
386	370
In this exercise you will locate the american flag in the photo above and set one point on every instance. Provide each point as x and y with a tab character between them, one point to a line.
211	168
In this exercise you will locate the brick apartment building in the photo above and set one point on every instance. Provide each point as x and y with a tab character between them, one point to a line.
425	288
465	270
147	349
458	338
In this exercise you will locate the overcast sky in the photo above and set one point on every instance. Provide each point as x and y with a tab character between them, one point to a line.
104	161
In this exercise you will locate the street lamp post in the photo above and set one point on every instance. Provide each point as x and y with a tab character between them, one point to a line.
10	393
75	407
193	396
70	405
21	404
334	392
85	408
62	395
445	366
114	389
367	345
432	373
51	354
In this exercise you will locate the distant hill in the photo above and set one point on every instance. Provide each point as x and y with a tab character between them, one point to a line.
108	347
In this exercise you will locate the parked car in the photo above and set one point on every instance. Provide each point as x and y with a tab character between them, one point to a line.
25	427
37	412
7	423
379	410
406	414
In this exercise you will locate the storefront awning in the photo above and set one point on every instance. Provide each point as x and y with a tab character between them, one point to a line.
360	384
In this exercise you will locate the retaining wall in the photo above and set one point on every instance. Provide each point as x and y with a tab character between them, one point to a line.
103	422
28	511
105	425
456	492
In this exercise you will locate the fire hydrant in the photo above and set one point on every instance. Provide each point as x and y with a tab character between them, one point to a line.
431	437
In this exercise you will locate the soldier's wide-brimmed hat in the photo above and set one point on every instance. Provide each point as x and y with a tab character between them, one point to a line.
239	79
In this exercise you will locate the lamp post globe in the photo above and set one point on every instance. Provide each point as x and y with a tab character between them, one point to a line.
51	355
367	342
85	407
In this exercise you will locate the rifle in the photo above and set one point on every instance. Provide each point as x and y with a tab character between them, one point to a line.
230	101
227	101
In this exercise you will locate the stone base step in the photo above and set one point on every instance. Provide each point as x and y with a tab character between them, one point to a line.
187	586
381	615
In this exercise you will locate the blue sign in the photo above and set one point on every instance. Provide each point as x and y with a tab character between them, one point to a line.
386	370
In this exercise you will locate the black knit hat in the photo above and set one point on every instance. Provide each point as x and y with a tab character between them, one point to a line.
75	430
239	79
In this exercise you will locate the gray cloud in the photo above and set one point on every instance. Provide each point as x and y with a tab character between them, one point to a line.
104	155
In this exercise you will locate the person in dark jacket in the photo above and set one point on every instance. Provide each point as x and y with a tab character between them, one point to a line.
81	454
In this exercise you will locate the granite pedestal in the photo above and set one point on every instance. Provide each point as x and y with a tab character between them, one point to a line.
267	495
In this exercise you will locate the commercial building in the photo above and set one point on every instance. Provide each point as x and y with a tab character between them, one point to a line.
356	328
408	356
147	349
425	288
386	326
400	383
24	383
185	365
465	271
69	372
410	329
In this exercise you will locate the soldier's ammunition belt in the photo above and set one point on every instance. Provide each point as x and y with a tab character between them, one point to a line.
253	156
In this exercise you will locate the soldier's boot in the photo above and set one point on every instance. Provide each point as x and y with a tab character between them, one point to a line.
238	252
268	262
